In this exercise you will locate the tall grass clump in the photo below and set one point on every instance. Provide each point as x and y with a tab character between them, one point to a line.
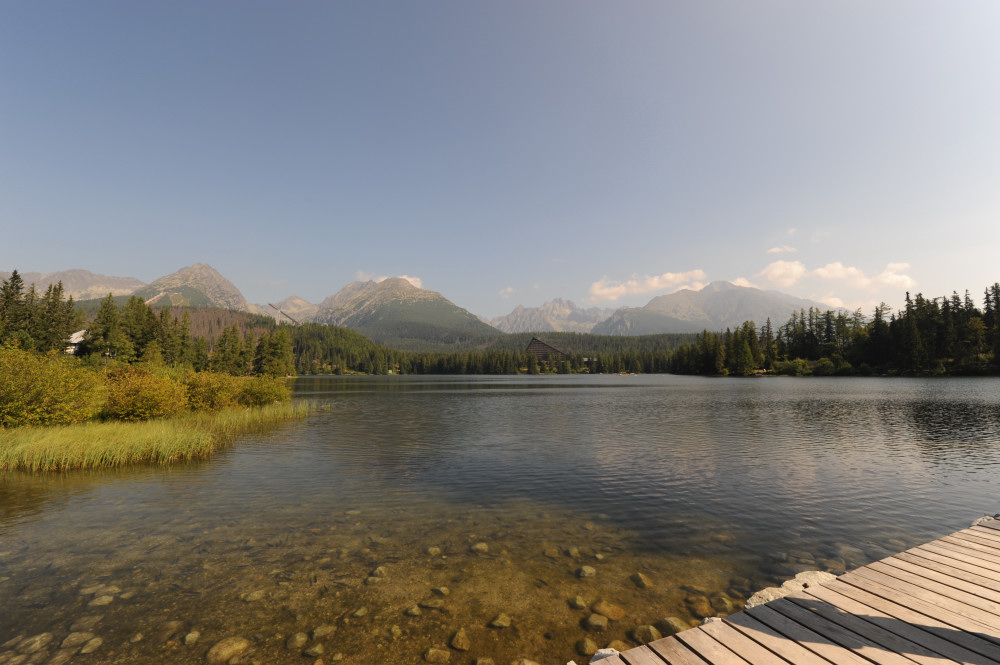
116	444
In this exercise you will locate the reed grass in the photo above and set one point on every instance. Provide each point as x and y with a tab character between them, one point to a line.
114	444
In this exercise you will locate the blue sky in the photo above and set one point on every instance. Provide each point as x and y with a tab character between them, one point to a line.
510	152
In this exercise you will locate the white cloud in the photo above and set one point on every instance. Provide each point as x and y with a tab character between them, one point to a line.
782	249
831	300
792	231
743	281
784	273
506	292
607	289
893	276
839	271
363	276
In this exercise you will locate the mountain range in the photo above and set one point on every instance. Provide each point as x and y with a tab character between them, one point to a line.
396	313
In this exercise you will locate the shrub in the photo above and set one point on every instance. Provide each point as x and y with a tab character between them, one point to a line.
136	394
210	391
45	390
264	390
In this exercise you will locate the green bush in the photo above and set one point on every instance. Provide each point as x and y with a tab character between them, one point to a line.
136	394
45	390
263	390
211	391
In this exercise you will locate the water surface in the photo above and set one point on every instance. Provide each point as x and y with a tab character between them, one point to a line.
351	520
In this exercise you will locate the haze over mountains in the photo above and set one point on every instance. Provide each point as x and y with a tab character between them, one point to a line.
395	312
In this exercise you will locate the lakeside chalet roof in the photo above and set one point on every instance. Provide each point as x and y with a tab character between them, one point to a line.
542	351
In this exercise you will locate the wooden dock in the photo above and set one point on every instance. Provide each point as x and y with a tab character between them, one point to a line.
935	603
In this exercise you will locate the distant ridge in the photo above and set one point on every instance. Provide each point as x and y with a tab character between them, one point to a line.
397	313
554	316
717	306
81	284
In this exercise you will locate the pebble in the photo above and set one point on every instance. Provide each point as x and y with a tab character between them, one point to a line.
34	643
379	572
641	580
320	632
610	610
440	591
618	645
92	646
578	603
432	604
395	632
137	637
11	642
433	551
586	647
372	580
435	655
482	661
360	612
253	596
296	641
91	589
646	634
226	648
314	651
74	640
100	601
573	552
413	611
595	622
552	552
192	637
460	640
585	571
479	548
500	621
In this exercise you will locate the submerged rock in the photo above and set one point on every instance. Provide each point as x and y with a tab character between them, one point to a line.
226	648
460	640
646	634
435	655
610	610
500	621
296	641
74	640
586	572
641	580
595	622
34	643
671	625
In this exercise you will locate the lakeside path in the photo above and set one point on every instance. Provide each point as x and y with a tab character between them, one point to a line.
935	603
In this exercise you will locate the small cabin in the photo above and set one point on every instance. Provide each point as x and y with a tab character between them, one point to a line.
74	342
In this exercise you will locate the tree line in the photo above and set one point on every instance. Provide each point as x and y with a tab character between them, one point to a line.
943	335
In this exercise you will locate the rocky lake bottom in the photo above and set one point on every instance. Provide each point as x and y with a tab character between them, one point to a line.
481	585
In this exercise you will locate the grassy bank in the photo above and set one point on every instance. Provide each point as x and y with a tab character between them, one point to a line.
111	444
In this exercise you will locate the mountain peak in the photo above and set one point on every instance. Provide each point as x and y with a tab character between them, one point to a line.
199	285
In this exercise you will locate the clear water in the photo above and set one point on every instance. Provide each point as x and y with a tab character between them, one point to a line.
711	488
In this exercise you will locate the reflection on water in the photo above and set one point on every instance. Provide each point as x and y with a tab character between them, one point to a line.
360	527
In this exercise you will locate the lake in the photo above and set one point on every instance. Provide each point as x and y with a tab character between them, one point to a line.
406	509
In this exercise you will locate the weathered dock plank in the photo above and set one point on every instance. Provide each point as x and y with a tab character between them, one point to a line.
933	604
